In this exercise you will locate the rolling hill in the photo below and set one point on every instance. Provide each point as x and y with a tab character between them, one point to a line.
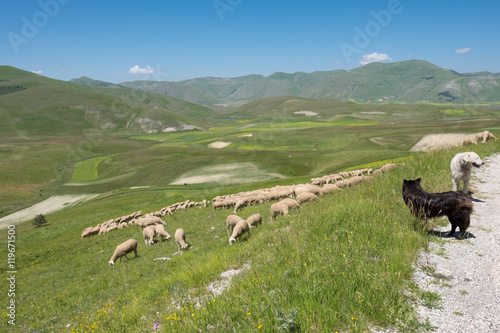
412	81
32	105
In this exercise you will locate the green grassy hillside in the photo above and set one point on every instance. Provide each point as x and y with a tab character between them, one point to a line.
343	263
33	105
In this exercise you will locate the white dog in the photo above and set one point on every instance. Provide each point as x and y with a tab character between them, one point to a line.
461	166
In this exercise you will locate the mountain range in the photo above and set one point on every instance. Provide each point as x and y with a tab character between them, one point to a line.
31	104
412	81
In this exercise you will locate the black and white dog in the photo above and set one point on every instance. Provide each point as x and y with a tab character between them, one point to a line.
456	205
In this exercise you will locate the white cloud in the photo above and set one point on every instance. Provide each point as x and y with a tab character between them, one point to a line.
137	70
464	50
38	72
375	57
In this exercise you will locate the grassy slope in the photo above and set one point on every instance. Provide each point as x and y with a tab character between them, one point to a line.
343	263
53	107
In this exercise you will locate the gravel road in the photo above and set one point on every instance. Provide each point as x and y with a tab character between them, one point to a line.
466	274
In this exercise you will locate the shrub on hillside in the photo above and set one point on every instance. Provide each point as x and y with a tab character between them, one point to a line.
39	220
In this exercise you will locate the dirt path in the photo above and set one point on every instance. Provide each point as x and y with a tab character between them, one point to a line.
466	274
439	141
50	205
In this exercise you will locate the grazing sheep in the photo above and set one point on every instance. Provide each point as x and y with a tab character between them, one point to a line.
123	249
239	229
149	235
254	220
307	188
328	188
180	239
354	180
485	136
468	141
387	167
342	183
88	232
306	197
278	209
218	205
145	221
161	232
290	203
239	204
231	221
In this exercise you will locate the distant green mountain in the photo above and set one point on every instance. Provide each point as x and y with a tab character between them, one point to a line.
412	81
32	104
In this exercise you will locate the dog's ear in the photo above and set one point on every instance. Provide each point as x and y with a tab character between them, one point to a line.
405	181
418	180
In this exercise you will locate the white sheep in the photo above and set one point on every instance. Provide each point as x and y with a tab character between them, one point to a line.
278	209
290	203
254	220
306	197
180	239
240	204
327	188
485	136
239	229
88	232
231	221
123	249
307	188
149	235
161	232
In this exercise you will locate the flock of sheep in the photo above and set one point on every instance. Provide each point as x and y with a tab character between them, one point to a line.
137	219
288	198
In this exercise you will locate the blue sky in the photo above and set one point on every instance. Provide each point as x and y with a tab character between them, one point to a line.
127	40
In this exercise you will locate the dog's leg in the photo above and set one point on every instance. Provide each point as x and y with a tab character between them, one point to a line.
466	186
456	184
462	234
453	226
464	226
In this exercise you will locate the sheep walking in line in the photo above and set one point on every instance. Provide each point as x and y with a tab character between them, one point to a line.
149	235
123	249
254	220
239	229
161	232
180	239
278	209
231	221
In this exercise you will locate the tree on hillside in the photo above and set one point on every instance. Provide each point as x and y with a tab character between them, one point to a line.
39	220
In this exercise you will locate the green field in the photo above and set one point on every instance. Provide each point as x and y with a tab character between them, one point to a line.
86	170
343	263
